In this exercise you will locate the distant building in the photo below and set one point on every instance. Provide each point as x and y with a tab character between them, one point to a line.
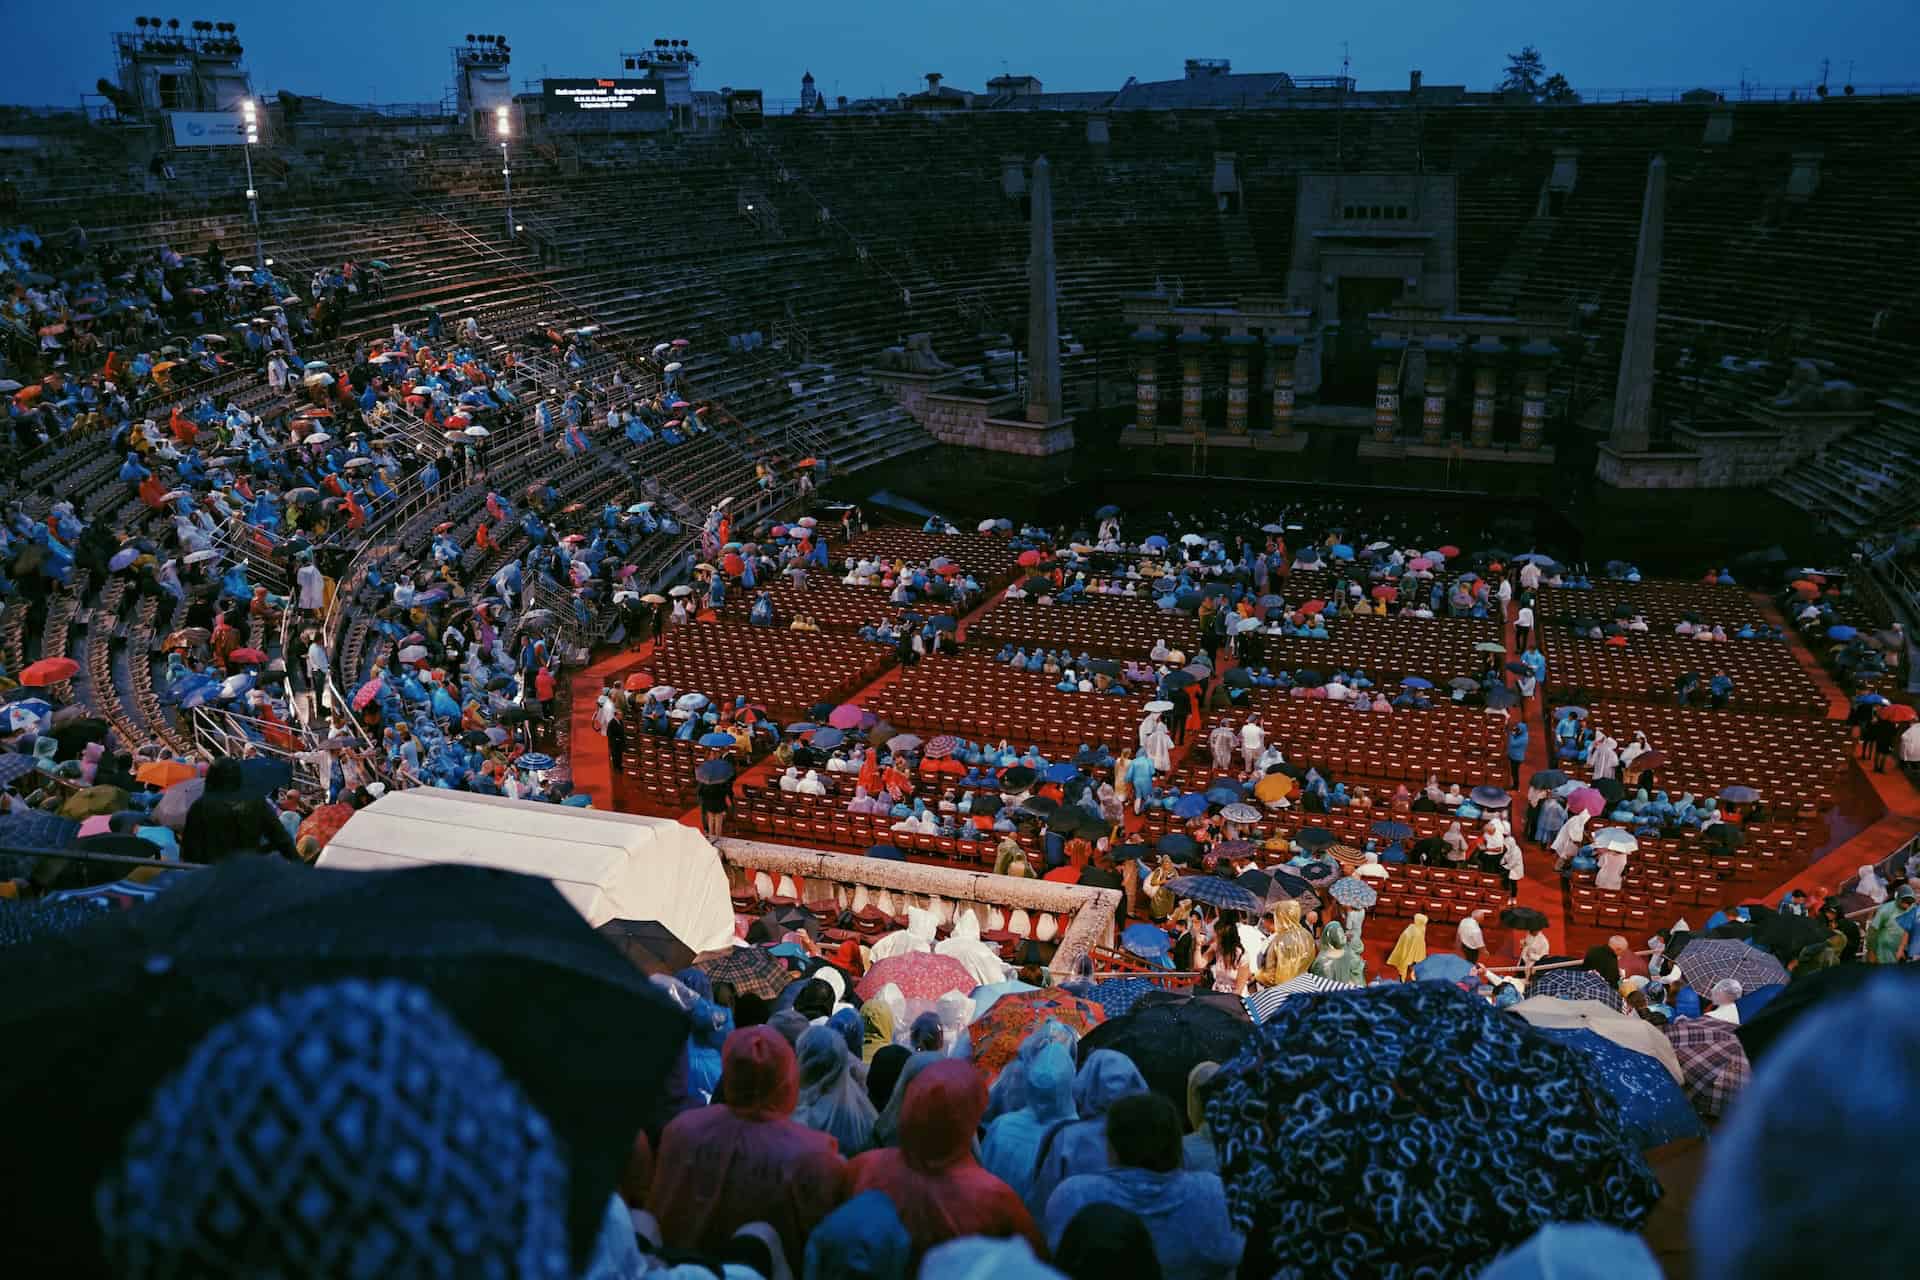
939	97
809	96
1014	86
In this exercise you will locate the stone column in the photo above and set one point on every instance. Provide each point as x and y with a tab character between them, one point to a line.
1192	407
1237	345
1386	392
1433	407
1146	378
1633	391
1533	409
1485	387
1043	303
1281	349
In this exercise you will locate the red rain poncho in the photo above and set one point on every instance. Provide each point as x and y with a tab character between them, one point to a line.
937	1187
745	1160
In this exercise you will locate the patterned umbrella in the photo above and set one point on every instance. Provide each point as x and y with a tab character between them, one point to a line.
1349	891
1652	1109
324	823
1713	1063
1118	995
1241	813
1228	895
1705	961
997	1034
752	971
1262	1004
1576	984
1290	1109
941	747
920	975
1390	830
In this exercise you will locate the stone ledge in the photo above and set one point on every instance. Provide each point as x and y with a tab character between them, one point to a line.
1091	910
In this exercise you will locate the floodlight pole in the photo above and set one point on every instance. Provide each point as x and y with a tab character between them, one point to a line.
250	118
501	127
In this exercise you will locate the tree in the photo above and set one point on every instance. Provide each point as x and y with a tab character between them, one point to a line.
1526	71
1527	76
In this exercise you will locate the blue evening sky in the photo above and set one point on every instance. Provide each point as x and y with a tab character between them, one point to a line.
397	52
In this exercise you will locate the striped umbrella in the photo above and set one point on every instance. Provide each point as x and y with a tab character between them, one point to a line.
1261	1004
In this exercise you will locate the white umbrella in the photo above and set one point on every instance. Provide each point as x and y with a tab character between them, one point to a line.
682	590
1159	704
478	432
319	437
1192	540
198	557
673	366
319	380
355	464
1616	839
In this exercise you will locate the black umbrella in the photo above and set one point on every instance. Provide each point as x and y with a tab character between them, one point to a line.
1523	918
1104	667
109	1010
649	944
1784	934
1215	891
1611	788
780	922
1724	835
1041	807
1816	990
1067	819
1178	679
1313	837
1018	778
1037	586
1168	1038
1100	878
986	803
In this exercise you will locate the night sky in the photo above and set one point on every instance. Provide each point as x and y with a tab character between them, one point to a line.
860	48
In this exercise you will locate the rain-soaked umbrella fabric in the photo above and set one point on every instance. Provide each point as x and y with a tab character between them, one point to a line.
1289	1112
1652	1109
1167	1037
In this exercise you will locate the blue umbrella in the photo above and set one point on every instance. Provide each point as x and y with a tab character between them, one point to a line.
802	726
1442	966
1060	773
716	740
1157	542
1118	995
1106	512
1222	795
1147	941
1841	633
1500	697
886	852
1176	845
1341	551
1351	891
829	738
1416	682
1190	806
1390	830
1651	1108
538	760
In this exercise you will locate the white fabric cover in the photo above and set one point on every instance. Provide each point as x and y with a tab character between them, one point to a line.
610	866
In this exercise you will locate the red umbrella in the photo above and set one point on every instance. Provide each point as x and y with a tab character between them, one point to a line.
1897	712
324	823
1448	551
920	975
1029	558
1384	592
247	655
368	692
49	671
1313	606
734	565
997	1034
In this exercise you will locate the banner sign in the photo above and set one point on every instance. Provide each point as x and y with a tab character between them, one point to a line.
605	95
208	129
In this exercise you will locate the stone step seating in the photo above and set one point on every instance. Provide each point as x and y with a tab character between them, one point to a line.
1468	747
784	671
1661	602
1102	626
972	696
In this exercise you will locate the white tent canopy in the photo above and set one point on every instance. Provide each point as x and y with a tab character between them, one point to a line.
610	866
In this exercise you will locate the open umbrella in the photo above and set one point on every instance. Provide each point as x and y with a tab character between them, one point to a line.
1167	1038
1325	1071
649	944
750	970
1523	918
1491	797
1705	961
1228	895
48	671
920	975
1273	787
324	823
1442	966
713	772
1313	837
845	716
1120	995
1576	984
164	773
1616	840
1351	891
1651	1108
1587	800
506	956
996	1034
1262	1004
1713	1063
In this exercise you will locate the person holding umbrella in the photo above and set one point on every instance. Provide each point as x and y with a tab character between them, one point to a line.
715	779
1517	749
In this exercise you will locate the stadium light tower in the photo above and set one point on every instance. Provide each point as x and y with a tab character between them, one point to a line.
503	128
249	114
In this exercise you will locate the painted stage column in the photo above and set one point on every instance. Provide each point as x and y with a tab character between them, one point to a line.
1193	347
1146	377
1238	349
1386	389
1281	350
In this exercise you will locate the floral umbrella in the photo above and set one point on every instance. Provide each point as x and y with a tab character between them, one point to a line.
324	823
920	975
998	1033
